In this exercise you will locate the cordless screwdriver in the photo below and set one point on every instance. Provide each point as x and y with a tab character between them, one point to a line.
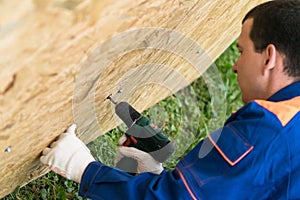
141	134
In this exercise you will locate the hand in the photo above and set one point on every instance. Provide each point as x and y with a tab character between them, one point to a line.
68	156
146	163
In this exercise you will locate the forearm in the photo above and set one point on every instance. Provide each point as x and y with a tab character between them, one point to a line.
103	182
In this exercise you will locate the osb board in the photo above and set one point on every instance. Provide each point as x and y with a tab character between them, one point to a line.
53	52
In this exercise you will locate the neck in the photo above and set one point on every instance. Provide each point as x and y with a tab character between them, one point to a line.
278	82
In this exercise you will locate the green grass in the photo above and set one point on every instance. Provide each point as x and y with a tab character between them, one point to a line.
49	187
186	117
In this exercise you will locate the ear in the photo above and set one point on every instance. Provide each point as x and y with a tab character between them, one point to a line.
270	57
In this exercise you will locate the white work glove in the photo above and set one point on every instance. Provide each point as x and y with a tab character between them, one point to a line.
68	155
146	163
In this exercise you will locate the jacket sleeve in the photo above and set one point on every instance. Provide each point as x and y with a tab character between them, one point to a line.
209	167
248	158
103	182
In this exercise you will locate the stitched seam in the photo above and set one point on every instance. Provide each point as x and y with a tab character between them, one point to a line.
238	135
91	183
186	184
289	183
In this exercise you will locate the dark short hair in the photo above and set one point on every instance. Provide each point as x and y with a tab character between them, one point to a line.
278	22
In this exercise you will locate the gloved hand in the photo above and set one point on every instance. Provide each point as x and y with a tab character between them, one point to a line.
68	155
146	163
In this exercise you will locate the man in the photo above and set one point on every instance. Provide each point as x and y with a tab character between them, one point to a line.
256	155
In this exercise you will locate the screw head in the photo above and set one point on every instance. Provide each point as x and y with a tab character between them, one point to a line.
8	149
120	90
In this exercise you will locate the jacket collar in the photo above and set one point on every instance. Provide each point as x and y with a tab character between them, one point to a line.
288	92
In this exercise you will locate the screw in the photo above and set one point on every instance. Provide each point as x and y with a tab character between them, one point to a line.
8	149
120	90
111	99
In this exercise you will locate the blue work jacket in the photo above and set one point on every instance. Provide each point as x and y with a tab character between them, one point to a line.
255	155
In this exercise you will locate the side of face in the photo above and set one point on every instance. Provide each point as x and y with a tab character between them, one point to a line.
250	67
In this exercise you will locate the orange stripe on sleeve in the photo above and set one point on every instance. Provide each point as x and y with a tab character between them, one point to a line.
232	163
186	184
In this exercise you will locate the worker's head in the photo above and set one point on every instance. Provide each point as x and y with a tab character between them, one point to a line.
270	49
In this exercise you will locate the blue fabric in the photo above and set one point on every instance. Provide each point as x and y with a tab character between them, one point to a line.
252	157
